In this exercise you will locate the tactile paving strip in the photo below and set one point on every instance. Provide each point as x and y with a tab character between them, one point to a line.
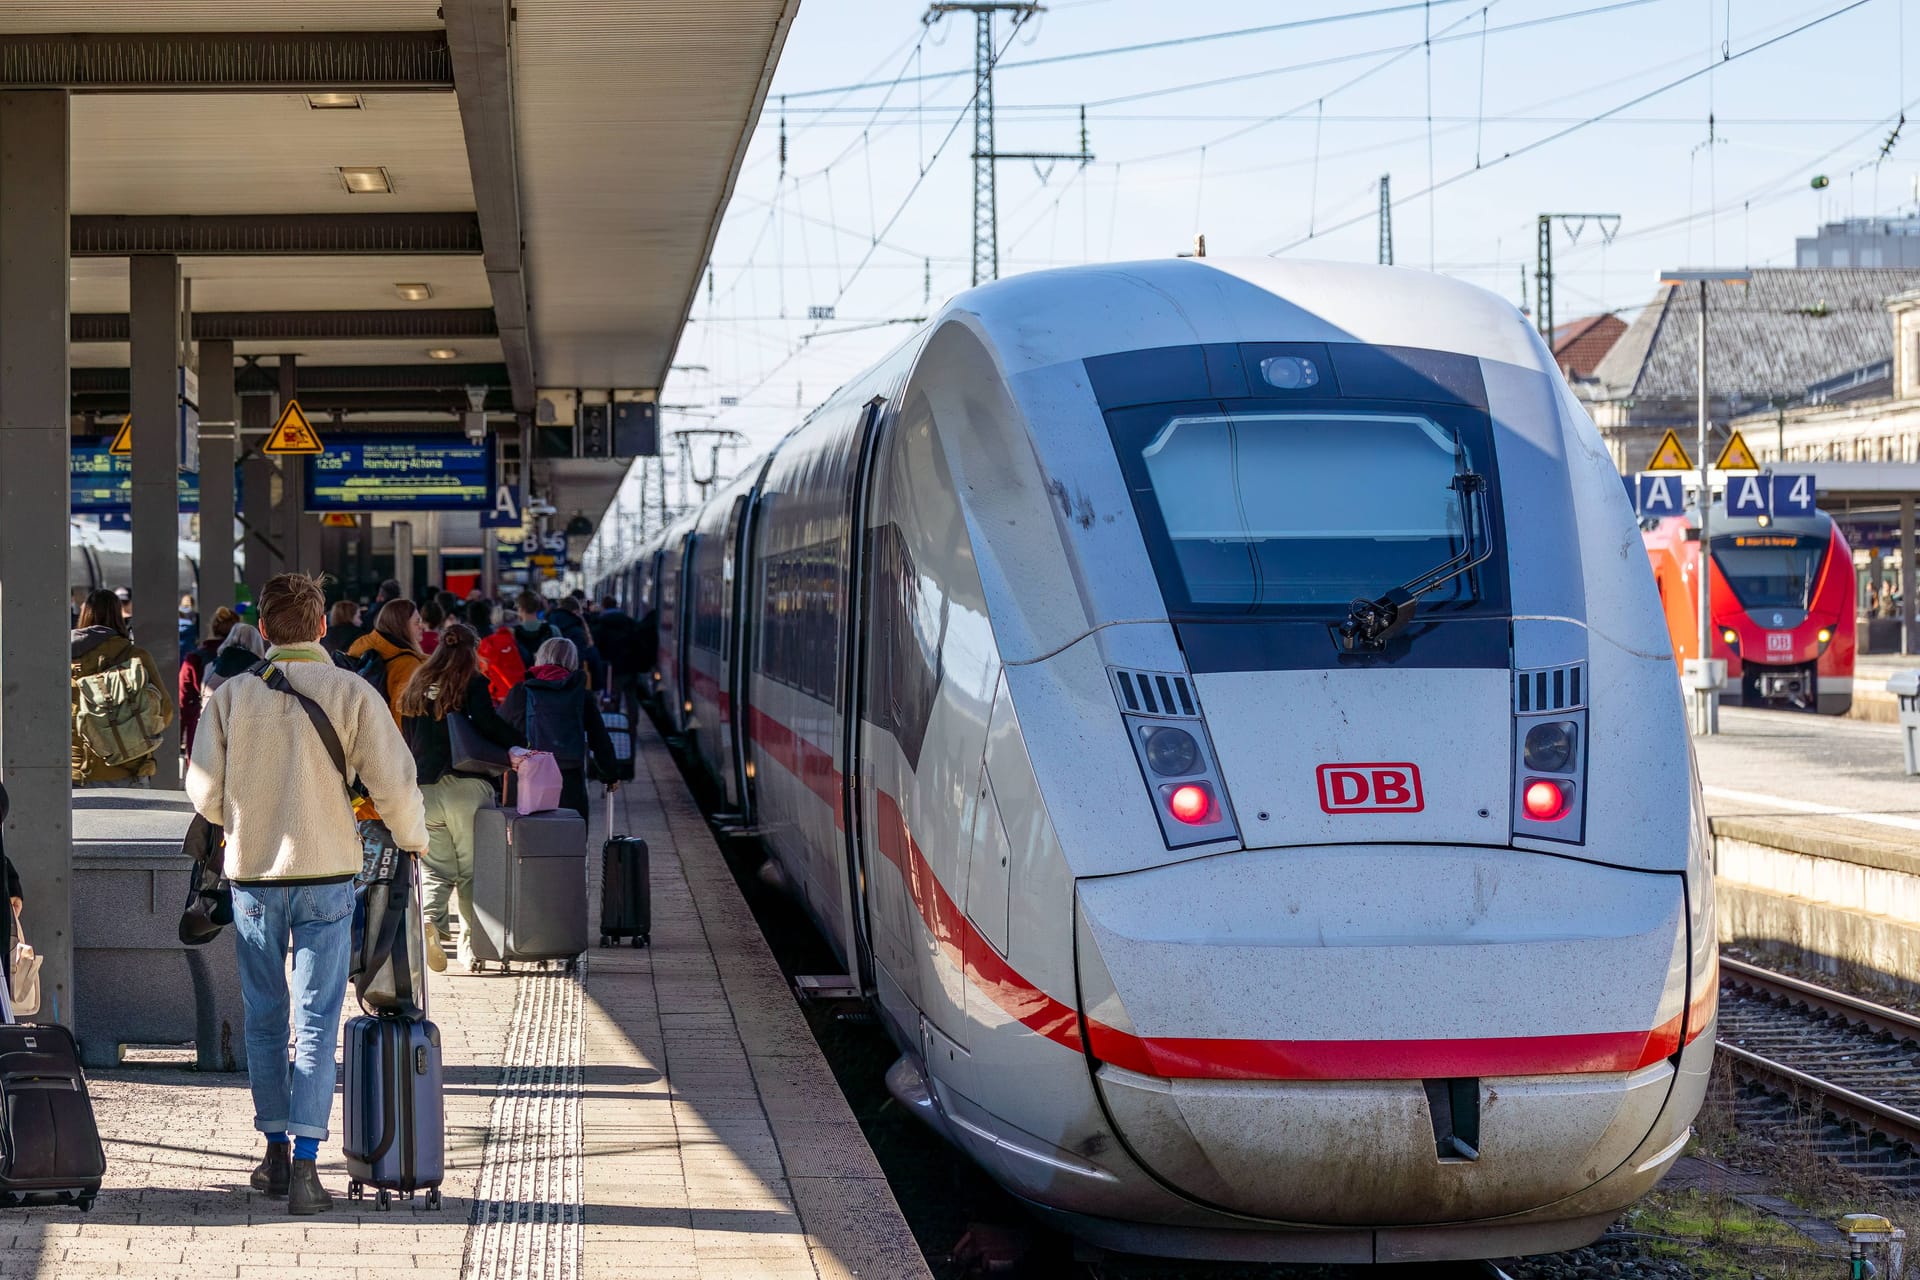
527	1208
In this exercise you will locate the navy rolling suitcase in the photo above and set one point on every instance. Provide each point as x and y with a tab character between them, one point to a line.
49	1145
395	1117
626	897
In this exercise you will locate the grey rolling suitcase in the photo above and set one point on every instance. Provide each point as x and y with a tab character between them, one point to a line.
394	1114
529	887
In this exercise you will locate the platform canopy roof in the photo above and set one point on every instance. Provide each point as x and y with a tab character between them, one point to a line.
552	171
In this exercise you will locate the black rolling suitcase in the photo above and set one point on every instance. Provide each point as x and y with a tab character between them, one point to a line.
529	887
620	731
49	1145
626	898
395	1116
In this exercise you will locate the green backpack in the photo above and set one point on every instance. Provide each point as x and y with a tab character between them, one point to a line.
118	712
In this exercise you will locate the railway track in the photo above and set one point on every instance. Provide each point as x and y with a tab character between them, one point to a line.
1858	1061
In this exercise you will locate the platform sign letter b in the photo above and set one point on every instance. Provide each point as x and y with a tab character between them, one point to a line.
1746	496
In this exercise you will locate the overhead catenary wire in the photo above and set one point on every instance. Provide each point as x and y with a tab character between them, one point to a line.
912	190
1146	47
1569	130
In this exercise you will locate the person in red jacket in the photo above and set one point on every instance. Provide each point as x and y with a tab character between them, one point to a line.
193	674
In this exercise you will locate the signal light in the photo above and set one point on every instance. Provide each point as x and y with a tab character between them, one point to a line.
1544	801
1190	803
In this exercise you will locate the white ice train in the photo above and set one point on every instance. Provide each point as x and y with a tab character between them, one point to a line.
1222	715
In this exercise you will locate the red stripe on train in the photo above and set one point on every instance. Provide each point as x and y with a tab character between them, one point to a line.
1181	1057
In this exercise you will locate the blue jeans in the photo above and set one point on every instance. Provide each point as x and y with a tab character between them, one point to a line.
294	1098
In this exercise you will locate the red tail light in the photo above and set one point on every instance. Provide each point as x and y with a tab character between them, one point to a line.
1190	803
1545	801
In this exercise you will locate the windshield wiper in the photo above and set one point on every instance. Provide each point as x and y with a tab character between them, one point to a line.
1371	623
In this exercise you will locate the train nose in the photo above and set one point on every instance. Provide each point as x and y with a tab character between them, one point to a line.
1475	1032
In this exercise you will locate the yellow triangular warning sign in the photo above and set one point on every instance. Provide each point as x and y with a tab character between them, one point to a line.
339	520
1736	456
293	433
1670	456
123	439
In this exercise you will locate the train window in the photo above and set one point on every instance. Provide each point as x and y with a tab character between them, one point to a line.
1771	571
800	641
1315	507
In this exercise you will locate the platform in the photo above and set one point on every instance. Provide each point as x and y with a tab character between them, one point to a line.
664	1115
1816	842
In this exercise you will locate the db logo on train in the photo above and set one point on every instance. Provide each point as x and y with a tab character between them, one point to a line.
1370	788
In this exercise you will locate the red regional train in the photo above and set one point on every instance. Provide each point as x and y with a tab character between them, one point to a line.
1782	605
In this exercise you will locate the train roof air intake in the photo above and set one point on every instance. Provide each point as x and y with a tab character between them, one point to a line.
1154	693
1550	689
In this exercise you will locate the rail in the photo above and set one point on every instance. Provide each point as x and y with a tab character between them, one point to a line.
1874	1114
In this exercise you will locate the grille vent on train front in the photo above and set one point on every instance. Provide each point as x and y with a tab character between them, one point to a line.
1550	689
1154	693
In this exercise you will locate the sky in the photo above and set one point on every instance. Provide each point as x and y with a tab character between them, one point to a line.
1272	139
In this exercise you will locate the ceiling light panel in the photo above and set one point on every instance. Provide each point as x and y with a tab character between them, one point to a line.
413	292
335	101
441	353
363	180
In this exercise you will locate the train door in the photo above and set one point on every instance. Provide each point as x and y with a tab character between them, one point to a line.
854	657
740	647
683	632
724	757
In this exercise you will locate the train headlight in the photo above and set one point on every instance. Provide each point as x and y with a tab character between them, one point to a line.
1546	801
1549	748
1172	752
1826	634
1731	636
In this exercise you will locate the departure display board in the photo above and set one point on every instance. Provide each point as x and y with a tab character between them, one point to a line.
101	483
401	473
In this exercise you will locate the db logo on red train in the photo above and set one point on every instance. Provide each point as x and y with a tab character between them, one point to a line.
1370	788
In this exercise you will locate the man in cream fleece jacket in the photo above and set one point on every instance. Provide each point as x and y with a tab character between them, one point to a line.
261	771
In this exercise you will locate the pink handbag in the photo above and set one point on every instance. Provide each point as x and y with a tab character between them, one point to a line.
536	776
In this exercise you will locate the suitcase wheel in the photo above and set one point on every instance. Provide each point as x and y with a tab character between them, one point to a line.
85	1201
356	1191
385	1201
605	940
433	1197
642	939
573	966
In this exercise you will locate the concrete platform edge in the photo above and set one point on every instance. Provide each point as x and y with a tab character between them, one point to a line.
853	1224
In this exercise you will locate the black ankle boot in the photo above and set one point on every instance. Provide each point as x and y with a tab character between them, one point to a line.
304	1192
270	1176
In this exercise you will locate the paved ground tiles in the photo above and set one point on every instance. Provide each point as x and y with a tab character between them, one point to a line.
665	1117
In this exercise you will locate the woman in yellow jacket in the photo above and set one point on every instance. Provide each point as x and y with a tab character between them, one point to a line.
396	639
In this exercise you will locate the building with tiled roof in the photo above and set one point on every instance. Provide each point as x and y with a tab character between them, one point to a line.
1580	344
1789	336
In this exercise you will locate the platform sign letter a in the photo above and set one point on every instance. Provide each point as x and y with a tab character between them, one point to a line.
1746	496
1656	495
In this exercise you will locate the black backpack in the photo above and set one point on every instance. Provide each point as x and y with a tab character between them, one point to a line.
373	669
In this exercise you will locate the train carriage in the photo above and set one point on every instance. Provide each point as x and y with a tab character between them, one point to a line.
1220	715
1782	605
